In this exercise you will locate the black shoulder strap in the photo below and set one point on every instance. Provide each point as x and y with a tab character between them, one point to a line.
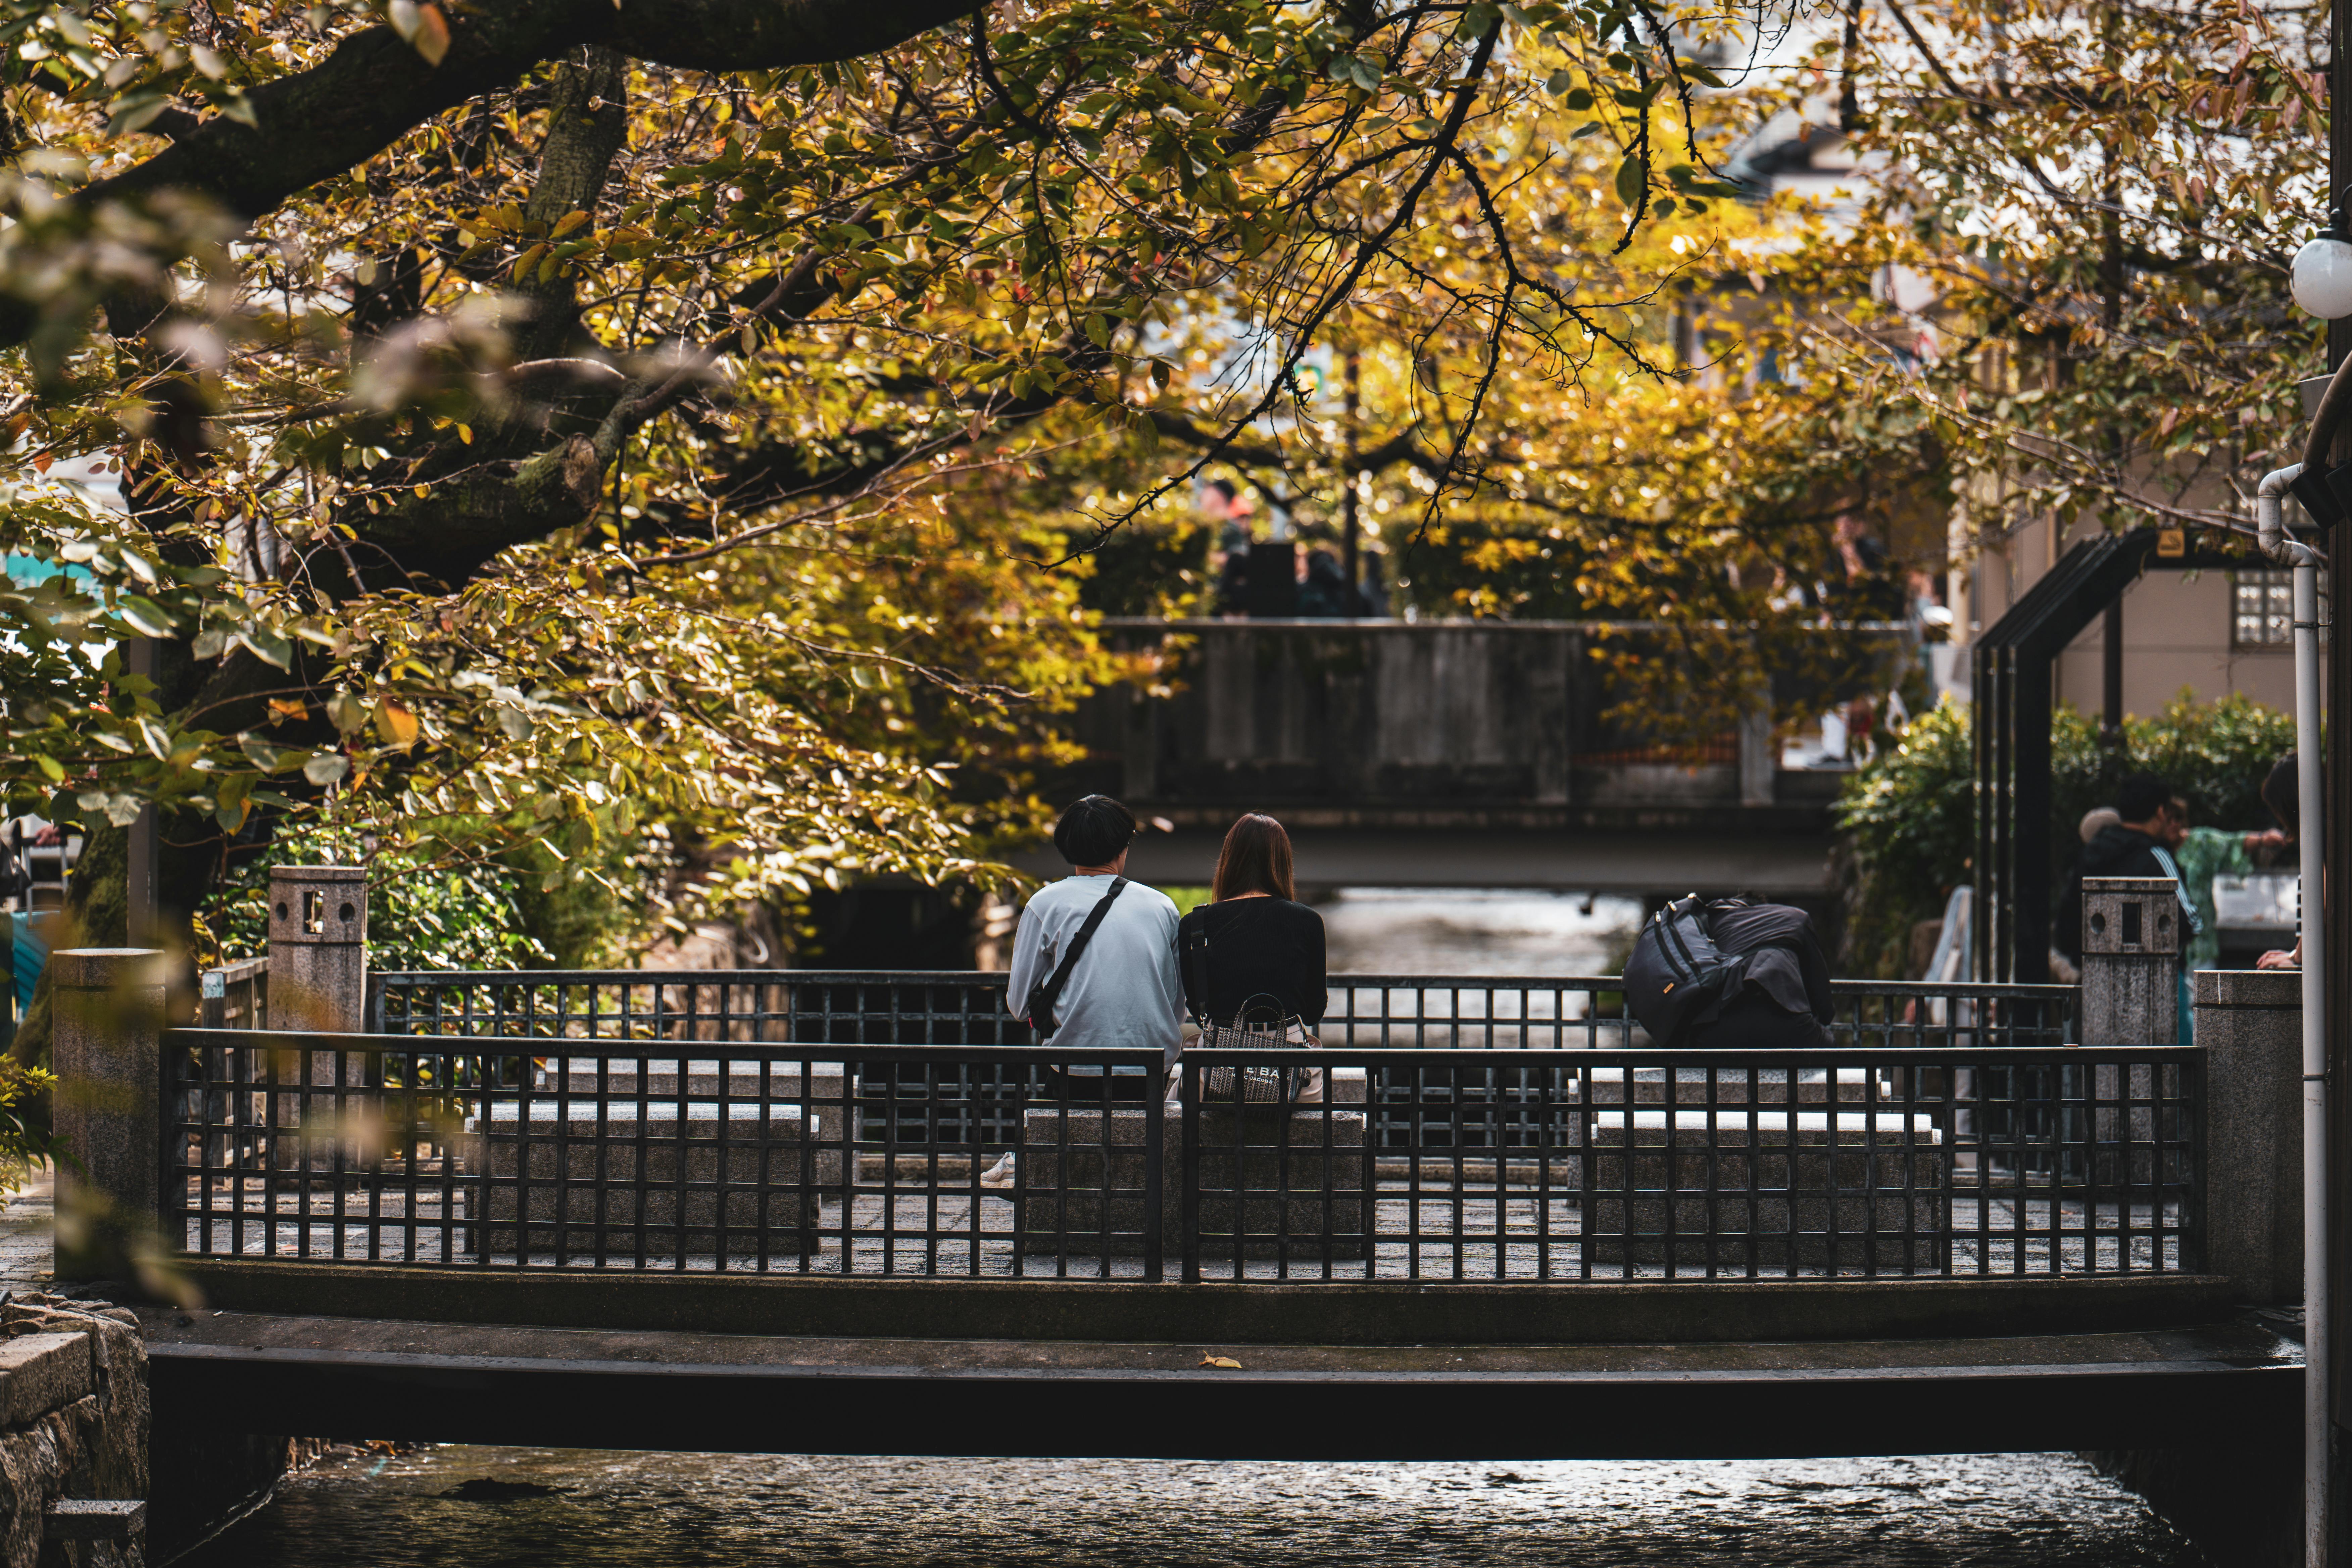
1041	1000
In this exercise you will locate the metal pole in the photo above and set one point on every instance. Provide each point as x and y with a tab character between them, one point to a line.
2315	1292
2331	954
2320	944
2112	655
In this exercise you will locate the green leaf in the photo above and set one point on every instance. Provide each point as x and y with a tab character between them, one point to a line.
266	646
1633	182
135	111
232	800
326	767
1478	20
145	617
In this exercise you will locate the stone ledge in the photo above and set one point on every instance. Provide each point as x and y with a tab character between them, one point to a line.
704	1392
42	1372
1334	1312
2264	988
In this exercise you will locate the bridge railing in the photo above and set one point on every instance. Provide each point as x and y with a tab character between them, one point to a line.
967	1008
1419	1012
1456	1163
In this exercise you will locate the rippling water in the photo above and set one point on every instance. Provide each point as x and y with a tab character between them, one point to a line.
1473	931
522	1508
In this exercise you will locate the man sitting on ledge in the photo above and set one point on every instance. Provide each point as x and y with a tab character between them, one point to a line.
1094	962
1730	973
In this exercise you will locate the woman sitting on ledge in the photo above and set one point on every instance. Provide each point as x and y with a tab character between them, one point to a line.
1253	958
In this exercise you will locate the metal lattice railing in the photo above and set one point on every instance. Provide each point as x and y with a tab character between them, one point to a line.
967	1008
892	1160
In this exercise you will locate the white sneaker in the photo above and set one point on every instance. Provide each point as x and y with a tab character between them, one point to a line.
1001	1174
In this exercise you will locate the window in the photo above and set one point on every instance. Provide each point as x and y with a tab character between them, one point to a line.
2263	610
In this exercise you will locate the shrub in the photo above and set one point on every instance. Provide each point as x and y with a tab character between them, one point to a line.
420	915
1906	818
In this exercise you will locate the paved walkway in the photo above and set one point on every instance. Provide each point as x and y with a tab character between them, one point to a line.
25	1234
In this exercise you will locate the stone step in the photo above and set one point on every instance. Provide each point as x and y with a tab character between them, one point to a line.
1763	1124
657	1076
1082	1180
580	1116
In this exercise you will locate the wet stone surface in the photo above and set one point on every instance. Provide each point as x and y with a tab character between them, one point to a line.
524	1508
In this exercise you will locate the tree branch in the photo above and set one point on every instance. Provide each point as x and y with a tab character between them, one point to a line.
373	87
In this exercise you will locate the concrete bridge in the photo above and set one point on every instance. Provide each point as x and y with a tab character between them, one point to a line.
1452	753
751	1210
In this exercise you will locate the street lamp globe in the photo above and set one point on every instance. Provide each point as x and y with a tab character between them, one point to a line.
2323	275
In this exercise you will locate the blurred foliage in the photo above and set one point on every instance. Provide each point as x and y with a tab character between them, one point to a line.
653	434
24	1139
1907	824
2092	209
721	449
421	914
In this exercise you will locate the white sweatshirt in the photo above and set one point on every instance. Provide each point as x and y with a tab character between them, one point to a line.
1125	990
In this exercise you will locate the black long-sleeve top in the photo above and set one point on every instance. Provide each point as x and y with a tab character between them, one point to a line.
1257	949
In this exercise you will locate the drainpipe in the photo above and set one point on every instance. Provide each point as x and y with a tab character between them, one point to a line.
2283	548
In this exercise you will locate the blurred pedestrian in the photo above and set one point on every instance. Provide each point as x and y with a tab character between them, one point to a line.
2141	843
2282	791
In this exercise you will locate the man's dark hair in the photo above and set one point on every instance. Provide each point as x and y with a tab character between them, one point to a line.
2282	791
1093	831
1223	488
2140	796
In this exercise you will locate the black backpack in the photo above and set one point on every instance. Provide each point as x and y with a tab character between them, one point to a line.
1677	976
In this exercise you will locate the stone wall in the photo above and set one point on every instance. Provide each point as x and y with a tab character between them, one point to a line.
73	1423
2239	1504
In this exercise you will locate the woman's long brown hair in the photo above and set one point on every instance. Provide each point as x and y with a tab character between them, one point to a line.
1254	859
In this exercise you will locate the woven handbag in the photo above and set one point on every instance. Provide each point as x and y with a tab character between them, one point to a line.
1251	1085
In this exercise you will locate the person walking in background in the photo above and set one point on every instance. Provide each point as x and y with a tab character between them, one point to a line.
1094	960
1325	592
2205	853
1254	956
2063	970
2140	845
2282	791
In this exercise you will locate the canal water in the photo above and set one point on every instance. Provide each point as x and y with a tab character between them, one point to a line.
1474	931
459	1507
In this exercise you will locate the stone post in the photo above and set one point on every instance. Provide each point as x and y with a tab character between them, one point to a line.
106	1044
2250	1023
317	985
318	949
1760	761
2131	961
